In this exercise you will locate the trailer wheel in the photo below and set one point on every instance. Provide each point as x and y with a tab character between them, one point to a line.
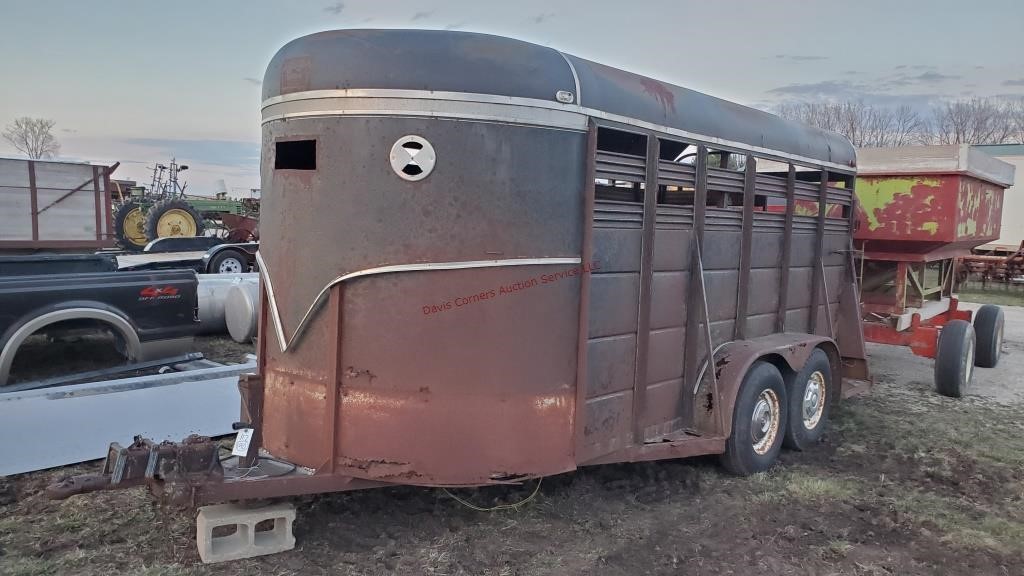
758	421
173	218
954	358
228	262
130	226
810	399
988	330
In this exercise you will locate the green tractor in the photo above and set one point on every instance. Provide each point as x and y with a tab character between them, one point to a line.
163	210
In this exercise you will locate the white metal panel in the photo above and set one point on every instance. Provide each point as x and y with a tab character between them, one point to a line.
945	159
59	426
73	218
15	212
63	175
13	172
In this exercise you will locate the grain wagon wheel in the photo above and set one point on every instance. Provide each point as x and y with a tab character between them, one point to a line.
988	330
130	226
954	358
173	218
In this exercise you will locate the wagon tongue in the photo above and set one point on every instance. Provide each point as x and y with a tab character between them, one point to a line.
170	469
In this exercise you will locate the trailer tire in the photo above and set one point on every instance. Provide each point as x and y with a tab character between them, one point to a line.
988	330
762	399
810	400
954	358
228	261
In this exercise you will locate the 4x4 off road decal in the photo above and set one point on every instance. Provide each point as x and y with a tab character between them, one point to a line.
158	293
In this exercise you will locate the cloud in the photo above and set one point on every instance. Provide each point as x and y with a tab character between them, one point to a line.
335	8
421	15
851	72
540	18
253	81
928	77
800	57
869	92
231	153
1017	82
455	26
824	88
69	130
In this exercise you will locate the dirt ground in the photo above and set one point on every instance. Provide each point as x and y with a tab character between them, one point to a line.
905	482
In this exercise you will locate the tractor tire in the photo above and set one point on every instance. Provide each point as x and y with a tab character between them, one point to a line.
174	217
759	421
130	227
954	359
988	329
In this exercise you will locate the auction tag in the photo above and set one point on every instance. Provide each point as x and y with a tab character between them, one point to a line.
242	441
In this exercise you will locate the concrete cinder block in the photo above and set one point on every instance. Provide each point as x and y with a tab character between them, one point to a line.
245	542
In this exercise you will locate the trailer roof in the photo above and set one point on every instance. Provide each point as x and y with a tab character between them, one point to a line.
945	159
464	62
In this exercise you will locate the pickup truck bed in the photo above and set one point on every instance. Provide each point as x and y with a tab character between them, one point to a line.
153	312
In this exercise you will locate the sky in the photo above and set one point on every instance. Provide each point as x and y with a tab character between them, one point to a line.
141	81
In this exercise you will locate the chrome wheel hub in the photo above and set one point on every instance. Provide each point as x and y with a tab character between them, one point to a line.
764	421
814	400
230	266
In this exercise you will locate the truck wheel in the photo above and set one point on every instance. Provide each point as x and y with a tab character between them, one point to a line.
758	421
810	398
954	359
130	226
173	218
228	262
988	329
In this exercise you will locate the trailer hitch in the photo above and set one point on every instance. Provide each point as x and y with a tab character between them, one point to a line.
172	470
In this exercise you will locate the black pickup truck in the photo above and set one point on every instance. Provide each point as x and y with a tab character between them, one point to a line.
152	314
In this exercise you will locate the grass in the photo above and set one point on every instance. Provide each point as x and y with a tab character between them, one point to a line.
997	295
803	484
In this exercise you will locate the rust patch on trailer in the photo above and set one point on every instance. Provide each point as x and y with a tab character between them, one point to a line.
351	373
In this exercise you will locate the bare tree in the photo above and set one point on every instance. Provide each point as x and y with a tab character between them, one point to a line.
862	124
1015	117
32	137
974	121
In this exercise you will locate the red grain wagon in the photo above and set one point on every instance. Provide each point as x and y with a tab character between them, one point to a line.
919	209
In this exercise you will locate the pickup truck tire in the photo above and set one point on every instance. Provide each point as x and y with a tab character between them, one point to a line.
173	218
229	261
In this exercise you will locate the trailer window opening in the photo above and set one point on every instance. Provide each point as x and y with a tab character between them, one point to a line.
620	166
295	155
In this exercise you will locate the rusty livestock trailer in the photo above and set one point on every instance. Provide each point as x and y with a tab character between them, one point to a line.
919	208
524	262
52	205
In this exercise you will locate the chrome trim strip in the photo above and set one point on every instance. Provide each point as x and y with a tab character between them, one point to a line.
286	342
381	108
575	78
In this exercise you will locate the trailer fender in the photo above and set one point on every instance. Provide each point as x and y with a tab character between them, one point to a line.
36	320
787	351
